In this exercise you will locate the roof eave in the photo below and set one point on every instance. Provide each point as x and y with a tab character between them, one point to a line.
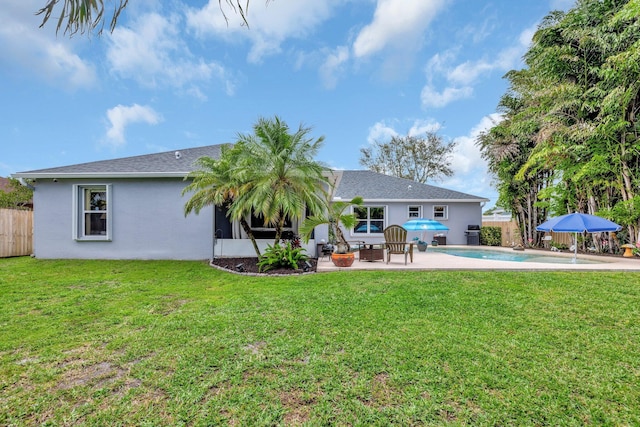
479	200
97	175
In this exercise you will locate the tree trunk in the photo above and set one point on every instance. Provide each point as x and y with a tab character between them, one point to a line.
521	220
247	230
279	228
340	239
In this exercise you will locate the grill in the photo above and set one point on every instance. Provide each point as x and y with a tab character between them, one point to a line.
473	235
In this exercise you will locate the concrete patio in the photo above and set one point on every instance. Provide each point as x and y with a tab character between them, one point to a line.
432	260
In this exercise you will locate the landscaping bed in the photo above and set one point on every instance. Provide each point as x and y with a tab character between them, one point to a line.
250	266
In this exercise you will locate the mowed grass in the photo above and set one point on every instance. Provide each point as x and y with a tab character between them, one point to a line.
171	343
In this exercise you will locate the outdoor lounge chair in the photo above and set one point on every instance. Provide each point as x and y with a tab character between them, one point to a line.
396	243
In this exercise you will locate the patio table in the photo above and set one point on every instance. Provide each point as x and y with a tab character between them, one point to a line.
371	252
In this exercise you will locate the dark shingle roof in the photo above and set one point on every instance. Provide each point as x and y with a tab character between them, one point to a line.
376	186
170	163
370	185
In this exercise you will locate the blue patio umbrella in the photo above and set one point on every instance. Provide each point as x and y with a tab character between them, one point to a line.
424	224
578	223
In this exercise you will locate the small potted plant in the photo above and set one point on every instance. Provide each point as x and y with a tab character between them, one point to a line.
335	217
422	245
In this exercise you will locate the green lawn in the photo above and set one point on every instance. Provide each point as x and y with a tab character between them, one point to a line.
169	343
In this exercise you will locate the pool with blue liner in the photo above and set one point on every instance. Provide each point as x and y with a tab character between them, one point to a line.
516	256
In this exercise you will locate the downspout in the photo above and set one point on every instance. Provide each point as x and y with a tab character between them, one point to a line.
24	183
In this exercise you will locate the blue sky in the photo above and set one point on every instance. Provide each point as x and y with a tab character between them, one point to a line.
175	75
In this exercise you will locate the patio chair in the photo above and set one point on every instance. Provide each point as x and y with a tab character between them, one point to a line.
396	243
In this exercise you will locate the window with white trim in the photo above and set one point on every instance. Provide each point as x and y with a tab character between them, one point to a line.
258	223
262	230
92	212
415	212
440	212
370	219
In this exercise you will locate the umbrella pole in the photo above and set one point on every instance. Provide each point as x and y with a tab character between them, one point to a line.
575	247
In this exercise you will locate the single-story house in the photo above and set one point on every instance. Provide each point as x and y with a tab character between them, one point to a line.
133	208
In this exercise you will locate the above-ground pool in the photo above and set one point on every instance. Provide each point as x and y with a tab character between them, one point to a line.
516	256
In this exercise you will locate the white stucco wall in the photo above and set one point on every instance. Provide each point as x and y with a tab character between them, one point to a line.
147	218
460	216
148	223
225	248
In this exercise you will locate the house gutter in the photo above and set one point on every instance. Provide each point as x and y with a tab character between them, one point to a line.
97	175
366	201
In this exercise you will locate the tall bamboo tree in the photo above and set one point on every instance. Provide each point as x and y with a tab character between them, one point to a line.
581	90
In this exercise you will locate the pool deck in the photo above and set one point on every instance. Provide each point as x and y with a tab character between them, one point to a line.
432	260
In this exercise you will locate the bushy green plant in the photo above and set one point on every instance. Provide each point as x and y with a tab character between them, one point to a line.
17	196
559	246
282	256
491	236
334	216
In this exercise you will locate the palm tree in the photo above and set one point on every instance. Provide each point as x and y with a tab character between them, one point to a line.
85	16
334	215
216	183
270	174
280	178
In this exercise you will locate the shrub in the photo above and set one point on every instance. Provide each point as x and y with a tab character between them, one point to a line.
294	239
559	246
282	256
491	236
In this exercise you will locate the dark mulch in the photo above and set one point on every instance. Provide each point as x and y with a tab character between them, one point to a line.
250	265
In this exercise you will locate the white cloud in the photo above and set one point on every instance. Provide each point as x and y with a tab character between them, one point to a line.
26	47
527	36
383	132
122	116
468	72
467	154
420	127
432	98
459	79
154	54
470	169
271	23
333	66
380	132
440	63
396	23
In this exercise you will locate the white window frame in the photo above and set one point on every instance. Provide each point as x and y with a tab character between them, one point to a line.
368	220
78	232
445	213
409	211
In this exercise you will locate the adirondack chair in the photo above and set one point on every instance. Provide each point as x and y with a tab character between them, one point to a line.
396	243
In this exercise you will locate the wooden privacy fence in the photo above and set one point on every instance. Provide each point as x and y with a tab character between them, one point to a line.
511	235
16	233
